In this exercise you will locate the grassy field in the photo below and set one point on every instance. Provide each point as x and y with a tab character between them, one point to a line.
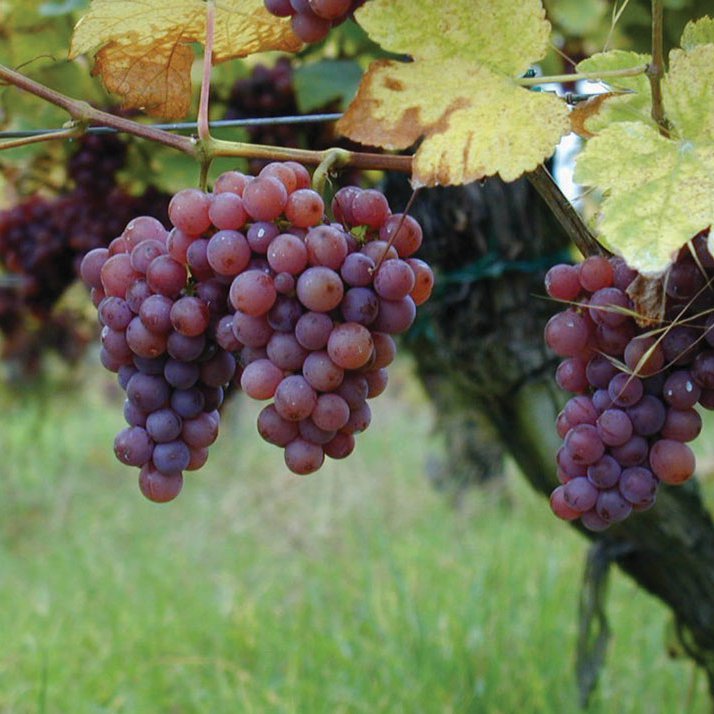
357	589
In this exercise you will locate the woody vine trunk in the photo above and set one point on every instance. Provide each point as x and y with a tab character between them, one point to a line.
482	339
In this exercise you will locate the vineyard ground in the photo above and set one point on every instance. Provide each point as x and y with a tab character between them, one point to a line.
354	590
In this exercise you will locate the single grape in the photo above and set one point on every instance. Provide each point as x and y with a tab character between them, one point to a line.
157	486
303	457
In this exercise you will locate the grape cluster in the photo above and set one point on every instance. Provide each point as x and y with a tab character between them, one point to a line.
311	20
252	285
94	165
43	239
636	387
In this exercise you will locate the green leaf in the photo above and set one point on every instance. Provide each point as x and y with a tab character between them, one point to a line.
688	91
635	104
660	192
698	32
321	83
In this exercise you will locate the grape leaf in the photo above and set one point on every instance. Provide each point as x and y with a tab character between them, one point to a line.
458	93
145	54
698	32
660	190
632	105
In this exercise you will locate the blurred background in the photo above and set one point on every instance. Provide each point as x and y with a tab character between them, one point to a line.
422	574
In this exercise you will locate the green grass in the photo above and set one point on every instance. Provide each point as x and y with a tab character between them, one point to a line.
357	589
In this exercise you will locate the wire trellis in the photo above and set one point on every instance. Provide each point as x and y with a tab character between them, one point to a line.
188	126
569	97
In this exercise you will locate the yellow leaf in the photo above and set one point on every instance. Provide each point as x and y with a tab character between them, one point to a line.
145	54
660	192
462	123
469	30
632	99
688	92
159	82
459	93
698	32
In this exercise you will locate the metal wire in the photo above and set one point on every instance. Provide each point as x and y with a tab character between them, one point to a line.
188	126
570	98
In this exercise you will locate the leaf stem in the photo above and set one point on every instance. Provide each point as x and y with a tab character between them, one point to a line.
204	132
69	133
564	211
359	160
604	74
655	69
84	113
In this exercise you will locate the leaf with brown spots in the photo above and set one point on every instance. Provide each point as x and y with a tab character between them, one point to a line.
587	109
458	95
648	298
145	54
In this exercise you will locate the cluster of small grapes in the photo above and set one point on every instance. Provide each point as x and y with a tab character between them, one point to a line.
43	238
311	20
26	342
637	387
95	163
253	285
155	336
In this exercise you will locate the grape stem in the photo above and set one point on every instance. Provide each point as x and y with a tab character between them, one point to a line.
565	212
335	159
359	160
204	129
655	69
603	74
204	132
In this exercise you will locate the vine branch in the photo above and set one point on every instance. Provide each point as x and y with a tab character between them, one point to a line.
359	160
565	212
655	69
204	132
209	149
86	114
72	132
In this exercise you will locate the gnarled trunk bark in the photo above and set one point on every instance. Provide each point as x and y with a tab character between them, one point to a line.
490	245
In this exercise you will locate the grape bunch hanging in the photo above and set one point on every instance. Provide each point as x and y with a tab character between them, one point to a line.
626	430
253	286
42	241
311	20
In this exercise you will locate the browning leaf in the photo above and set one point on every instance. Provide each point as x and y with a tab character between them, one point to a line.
647	295
459	93
144	45
159	82
583	111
